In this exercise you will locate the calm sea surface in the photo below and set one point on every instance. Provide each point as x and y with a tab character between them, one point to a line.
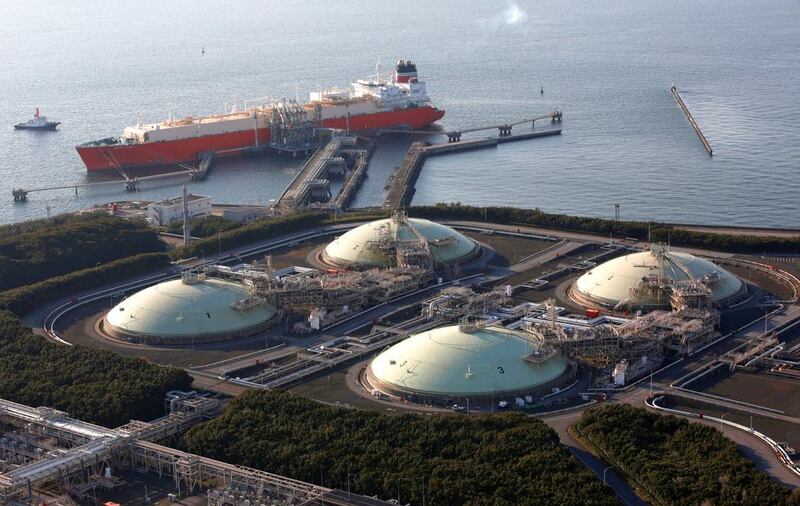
608	63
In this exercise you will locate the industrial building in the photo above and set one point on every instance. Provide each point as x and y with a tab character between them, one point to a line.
399	240
193	309
657	279
168	211
467	361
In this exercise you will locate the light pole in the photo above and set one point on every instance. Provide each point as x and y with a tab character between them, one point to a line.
721	419
604	474
348	481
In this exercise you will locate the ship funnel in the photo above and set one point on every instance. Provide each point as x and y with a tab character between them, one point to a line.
406	71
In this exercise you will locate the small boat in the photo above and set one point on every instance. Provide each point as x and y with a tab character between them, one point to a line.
38	122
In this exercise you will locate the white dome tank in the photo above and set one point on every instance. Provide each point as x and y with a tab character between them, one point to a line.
624	280
193	309
374	244
456	361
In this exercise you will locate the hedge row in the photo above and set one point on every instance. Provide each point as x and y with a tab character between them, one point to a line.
657	232
25	299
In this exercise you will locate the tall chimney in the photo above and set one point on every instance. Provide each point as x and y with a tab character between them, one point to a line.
186	219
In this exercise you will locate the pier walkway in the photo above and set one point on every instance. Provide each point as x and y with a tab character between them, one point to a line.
504	129
129	183
691	119
401	184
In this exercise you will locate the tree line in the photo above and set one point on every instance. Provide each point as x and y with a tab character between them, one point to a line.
640	230
92	385
24	299
206	226
263	229
457	460
677	462
38	250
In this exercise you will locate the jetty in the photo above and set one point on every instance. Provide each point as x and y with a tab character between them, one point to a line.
129	183
353	180
338	158
402	183
691	119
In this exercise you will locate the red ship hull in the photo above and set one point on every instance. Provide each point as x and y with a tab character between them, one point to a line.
126	156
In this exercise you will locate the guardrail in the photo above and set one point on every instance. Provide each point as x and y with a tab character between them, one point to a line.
780	452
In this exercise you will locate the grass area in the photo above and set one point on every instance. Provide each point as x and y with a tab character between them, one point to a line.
768	283
332	388
776	429
298	254
756	388
510	250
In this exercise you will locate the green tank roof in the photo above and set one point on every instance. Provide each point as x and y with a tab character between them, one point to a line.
363	246
177	308
452	361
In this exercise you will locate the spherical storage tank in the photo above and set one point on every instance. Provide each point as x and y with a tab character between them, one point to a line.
644	279
374	244
456	362
193	309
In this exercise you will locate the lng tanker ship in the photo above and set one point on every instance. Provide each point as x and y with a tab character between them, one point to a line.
399	100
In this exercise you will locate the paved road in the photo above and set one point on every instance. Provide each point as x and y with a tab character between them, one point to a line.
560	423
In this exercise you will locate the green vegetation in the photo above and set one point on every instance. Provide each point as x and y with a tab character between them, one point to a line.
498	460
92	385
678	462
38	250
264	229
206	226
24	299
658	232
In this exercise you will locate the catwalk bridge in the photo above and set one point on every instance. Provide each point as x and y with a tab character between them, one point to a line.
504	129
131	184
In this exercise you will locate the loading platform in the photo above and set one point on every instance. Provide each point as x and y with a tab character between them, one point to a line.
339	158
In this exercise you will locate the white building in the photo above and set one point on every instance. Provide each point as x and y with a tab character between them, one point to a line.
167	211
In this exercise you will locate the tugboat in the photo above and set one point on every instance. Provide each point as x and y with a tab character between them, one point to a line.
37	123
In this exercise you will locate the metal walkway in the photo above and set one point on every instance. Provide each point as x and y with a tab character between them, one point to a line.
97	447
